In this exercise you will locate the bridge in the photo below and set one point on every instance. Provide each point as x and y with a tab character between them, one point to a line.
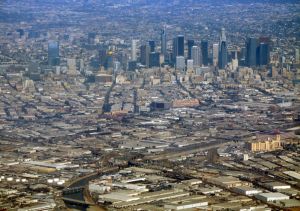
75	181
73	190
76	202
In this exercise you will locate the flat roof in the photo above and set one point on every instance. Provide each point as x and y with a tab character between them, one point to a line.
272	184
293	174
246	188
118	197
273	194
226	179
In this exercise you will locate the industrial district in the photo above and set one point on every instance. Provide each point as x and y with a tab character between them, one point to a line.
149	105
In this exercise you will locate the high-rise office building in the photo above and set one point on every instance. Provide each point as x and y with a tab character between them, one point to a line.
297	56
242	56
152	45
215	53
168	58
251	52
53	53
196	56
21	32
117	67
109	63
133	49
154	59
131	66
263	54
91	38
72	69
145	52
178	46
190	44
204	51
123	58
222	50
234	61
102	56
180	63
163	42
174	53
189	64
243	53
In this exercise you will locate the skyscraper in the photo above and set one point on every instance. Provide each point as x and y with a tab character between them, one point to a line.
263	54
53	53
154	59
174	53
145	52
222	50
109	62
251	52
215	53
163	42
102	56
133	49
297	56
91	37
117	67
196	56
204	51
180	45
180	63
152	45
189	64
71	63
234	61
131	65
190	44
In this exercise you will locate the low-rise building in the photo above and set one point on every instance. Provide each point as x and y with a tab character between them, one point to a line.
277	185
246	190
270	197
265	144
186	205
227	181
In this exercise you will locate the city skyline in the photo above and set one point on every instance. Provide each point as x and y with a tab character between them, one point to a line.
149	105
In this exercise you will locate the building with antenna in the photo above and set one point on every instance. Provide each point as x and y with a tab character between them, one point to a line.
222	50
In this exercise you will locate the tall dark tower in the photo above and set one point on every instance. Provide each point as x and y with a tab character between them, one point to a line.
222	50
154	59
180	44
145	55
204	50
174	53
163	42
178	47
53	53
152	45
190	44
263	54
102	56
251	47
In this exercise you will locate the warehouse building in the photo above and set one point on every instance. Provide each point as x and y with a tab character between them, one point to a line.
271	197
277	186
246	190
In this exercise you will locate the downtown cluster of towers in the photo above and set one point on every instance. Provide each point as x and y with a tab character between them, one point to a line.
255	53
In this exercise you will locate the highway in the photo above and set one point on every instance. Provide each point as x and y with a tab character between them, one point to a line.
184	151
